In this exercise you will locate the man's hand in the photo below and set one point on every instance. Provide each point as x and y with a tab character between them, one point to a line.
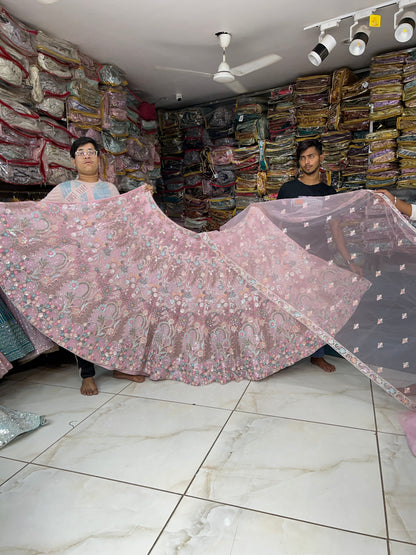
355	268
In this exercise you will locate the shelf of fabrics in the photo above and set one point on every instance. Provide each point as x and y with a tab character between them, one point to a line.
251	134
406	142
170	191
34	140
197	166
355	118
196	208
51	93
312	105
280	149
220	177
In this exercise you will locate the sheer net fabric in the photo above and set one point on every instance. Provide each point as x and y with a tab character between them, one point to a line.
118	283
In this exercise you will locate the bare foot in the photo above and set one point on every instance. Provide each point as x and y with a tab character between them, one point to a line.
88	387
322	363
122	375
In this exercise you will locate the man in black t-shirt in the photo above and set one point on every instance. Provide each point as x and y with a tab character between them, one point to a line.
309	184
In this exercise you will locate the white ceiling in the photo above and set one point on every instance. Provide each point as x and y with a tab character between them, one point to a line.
138	35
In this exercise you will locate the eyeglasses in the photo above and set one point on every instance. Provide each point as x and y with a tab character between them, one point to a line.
86	153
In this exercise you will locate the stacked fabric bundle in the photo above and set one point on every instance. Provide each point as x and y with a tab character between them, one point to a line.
408	120
355	106
281	113
251	133
385	84
34	149
354	175
21	141
221	209
340	78
406	152
170	194
383	168
83	104
251	123
196	139
219	172
407	124
312	105
192	123
75	96
335	146
281	161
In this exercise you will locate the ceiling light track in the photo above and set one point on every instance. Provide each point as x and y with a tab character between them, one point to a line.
359	32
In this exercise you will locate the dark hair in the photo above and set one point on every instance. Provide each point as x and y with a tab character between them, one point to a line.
83	141
304	145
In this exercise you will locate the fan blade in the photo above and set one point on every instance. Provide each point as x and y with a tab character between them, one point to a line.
254	65
184	70
236	87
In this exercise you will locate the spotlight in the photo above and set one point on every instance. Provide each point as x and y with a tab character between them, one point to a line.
360	40
325	45
404	30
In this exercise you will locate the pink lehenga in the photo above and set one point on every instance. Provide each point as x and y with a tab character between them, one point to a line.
118	283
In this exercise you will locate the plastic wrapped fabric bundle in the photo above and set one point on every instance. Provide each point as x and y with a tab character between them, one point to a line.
112	75
20	153
57	48
52	106
89	66
14	423
86	92
58	174
15	136
220	155
113	106
55	67
28	173
17	35
220	118
56	156
191	117
116	128
18	116
56	133
83	115
10	72
114	145
53	86
78	131
138	149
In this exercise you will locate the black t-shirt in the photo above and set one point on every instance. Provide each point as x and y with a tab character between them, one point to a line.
295	189
317	241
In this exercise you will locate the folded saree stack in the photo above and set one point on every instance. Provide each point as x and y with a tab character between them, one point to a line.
170	195
280	149
335	146
383	168
312	105
251	133
385	84
355	106
406	143
354	174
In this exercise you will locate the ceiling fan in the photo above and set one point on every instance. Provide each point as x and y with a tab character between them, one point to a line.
224	73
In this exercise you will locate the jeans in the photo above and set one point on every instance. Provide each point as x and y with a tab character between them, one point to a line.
86	368
319	353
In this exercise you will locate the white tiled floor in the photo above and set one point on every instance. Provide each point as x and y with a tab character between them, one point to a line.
302	463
